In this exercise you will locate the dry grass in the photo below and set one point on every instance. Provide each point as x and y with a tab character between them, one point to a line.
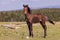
53	32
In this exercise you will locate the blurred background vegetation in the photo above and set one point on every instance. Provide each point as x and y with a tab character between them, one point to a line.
18	15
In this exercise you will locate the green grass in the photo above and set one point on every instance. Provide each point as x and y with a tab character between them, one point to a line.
53	32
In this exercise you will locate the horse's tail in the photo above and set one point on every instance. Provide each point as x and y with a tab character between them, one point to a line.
50	21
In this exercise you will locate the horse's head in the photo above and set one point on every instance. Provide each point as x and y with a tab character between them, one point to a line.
26	9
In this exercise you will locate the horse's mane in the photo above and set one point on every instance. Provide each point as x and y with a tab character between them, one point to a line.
29	10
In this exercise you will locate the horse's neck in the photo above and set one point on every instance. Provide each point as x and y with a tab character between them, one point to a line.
26	15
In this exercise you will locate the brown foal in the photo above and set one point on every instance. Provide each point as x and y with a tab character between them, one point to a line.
35	18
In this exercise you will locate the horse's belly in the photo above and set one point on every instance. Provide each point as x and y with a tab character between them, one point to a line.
35	20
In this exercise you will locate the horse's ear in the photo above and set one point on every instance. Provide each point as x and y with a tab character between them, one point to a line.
27	5
23	5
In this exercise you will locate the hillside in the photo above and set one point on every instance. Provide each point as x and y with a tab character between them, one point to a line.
17	15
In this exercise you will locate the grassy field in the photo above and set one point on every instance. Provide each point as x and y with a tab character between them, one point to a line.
53	32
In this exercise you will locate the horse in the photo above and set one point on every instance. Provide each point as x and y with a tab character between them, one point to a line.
35	18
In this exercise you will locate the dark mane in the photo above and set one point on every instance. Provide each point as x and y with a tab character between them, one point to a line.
29	10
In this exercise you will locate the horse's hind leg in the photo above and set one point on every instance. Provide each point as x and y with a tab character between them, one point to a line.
30	29
44	27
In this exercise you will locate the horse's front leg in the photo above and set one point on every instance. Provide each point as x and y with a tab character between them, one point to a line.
30	29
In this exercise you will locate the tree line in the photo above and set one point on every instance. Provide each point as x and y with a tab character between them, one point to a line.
18	15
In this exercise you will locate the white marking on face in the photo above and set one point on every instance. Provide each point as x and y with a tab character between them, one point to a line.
25	10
